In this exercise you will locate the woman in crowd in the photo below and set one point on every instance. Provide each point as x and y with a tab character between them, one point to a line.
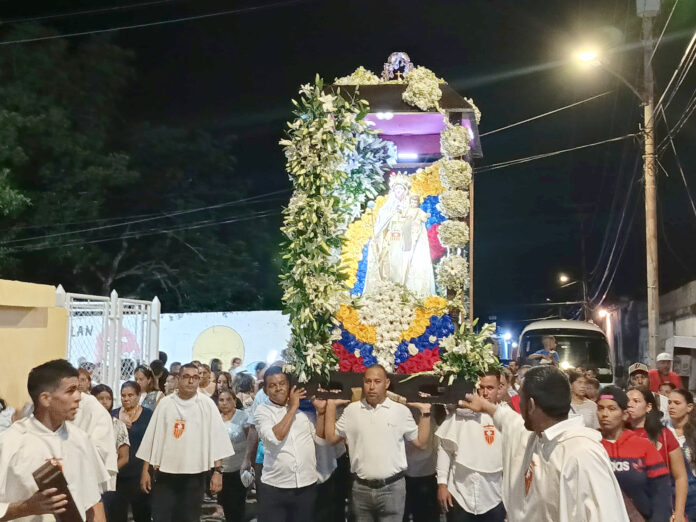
7	415
639	468
84	380
644	418
243	387
171	384
683	417
149	395
115	507
215	365
136	418
222	382
207	384
232	498
579	404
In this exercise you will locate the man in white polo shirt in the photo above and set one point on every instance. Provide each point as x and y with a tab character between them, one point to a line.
375	430
289	481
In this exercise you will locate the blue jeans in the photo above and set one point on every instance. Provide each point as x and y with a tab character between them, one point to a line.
385	504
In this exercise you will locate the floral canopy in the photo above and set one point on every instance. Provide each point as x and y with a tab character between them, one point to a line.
377	270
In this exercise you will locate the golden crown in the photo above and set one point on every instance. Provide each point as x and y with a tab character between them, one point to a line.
400	178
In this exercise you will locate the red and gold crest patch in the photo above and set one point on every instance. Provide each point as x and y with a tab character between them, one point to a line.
489	433
179	427
528	478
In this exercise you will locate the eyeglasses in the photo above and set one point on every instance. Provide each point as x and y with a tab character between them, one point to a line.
190	377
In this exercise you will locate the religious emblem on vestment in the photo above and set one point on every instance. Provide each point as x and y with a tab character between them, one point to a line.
489	433
179	427
528	478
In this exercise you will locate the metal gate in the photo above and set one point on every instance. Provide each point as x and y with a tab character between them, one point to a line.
110	336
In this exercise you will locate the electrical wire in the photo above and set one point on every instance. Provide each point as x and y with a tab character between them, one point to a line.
685	63
685	115
141	233
663	32
527	159
679	166
663	236
545	114
160	22
85	12
256	199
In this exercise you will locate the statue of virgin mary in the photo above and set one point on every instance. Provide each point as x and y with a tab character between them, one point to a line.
399	250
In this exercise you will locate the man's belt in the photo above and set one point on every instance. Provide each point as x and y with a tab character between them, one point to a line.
378	483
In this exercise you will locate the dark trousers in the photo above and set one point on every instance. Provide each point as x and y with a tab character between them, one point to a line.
177	498
232	498
421	499
286	504
457	514
128	489
325	505
342	487
115	507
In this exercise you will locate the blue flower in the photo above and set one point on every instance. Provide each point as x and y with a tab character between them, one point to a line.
359	285
429	205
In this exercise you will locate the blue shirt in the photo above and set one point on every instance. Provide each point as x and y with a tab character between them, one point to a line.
546	352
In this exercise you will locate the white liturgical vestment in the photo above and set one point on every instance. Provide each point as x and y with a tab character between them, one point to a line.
95	421
27	445
185	436
563	476
470	460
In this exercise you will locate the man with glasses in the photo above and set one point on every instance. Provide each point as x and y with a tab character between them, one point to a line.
185	439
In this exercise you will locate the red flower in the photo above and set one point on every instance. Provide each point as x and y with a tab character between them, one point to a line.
421	362
345	365
436	248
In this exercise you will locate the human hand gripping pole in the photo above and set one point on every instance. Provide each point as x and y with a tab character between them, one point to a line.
475	402
330	420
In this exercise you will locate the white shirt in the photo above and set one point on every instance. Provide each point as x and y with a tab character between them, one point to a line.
28	444
185	436
291	462
470	461
563	476
588	411
376	436
93	419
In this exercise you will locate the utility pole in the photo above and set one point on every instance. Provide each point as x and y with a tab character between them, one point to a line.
648	10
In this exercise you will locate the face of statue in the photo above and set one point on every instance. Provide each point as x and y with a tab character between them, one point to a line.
399	191
415	201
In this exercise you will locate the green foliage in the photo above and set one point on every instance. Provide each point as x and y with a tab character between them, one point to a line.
468	354
330	179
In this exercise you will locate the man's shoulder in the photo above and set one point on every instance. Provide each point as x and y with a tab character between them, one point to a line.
652	371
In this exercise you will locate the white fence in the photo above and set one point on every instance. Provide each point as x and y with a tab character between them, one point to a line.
110	336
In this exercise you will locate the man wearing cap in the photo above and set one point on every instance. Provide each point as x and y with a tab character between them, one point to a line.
663	373
640	376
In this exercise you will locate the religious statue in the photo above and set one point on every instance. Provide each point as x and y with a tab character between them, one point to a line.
399	250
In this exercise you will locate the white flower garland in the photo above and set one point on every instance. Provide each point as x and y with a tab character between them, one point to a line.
454	203
453	273
423	90
391	310
455	174
360	76
453	234
454	141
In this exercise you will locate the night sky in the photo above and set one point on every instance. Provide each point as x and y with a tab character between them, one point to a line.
236	73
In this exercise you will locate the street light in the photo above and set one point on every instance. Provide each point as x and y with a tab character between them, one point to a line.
647	10
566	282
563	278
602	313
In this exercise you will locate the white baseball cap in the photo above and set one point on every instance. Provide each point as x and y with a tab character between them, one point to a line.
664	356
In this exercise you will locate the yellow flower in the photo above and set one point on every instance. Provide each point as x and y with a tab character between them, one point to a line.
351	322
426	182
358	234
436	305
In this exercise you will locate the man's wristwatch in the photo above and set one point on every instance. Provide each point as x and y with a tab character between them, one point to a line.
218	469
427	414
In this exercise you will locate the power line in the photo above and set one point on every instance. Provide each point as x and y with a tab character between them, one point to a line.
145	233
544	114
160	22
85	12
685	115
501	165
679	166
256	199
686	62
663	32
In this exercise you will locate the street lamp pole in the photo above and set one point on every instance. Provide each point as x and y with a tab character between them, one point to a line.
653	288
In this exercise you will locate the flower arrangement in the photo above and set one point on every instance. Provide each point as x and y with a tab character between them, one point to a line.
467	354
358	234
426	182
318	143
453	273
455	174
455	203
454	141
423	89
454	234
360	76
477	112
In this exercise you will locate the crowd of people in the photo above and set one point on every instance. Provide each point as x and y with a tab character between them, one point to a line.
532	443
